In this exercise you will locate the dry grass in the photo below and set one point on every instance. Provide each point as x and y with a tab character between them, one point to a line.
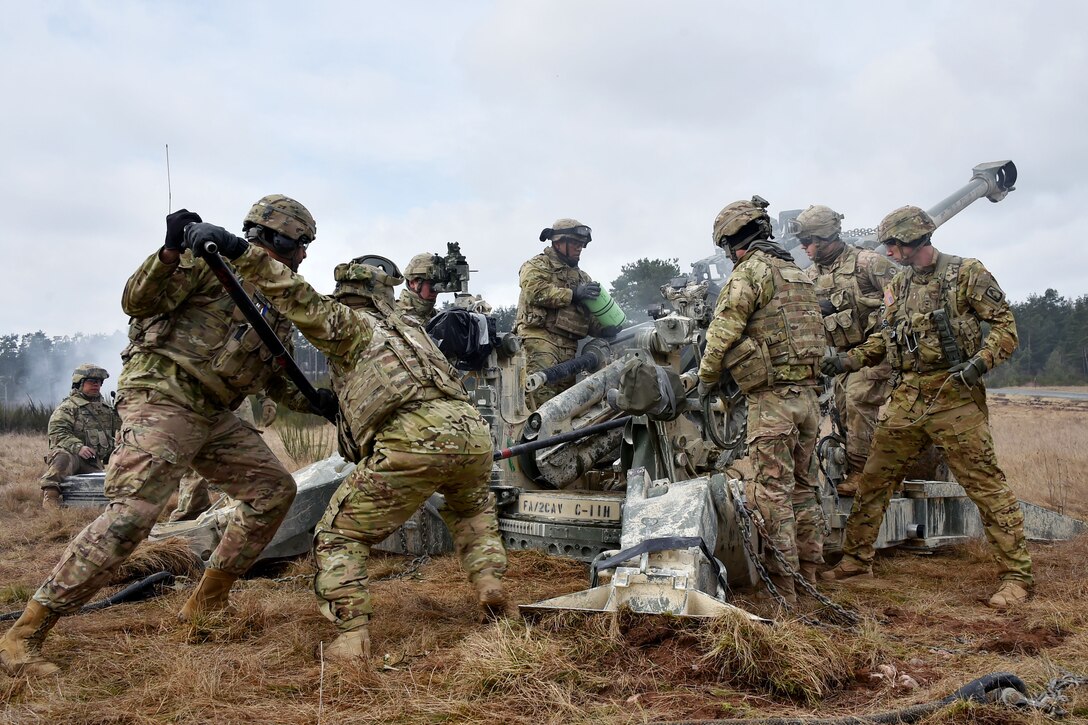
434	663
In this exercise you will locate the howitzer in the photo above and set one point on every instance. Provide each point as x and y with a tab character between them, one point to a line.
280	356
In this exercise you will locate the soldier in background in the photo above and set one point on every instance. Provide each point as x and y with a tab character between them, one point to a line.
419	296
850	285
192	358
194	496
550	321
81	432
404	419
766	332
931	332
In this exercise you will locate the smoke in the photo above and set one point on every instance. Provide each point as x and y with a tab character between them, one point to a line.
39	368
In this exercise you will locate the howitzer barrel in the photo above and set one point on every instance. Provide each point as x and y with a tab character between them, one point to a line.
993	180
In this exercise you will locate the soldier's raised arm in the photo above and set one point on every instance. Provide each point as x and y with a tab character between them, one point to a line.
167	277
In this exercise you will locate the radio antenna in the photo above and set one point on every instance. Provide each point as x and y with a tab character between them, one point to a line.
169	190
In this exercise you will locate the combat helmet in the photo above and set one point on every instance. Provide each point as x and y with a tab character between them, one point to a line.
907	225
87	370
370	276
422	266
738	215
819	221
288	223
567	230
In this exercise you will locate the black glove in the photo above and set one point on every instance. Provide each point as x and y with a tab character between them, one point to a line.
970	372
610	331
833	365
826	308
327	405
175	227
705	390
198	235
586	291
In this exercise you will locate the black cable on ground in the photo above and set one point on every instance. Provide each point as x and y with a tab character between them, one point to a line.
976	690
148	586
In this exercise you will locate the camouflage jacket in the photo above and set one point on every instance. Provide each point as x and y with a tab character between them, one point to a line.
189	342
854	283
382	362
412	304
909	334
766	329
545	306
81	421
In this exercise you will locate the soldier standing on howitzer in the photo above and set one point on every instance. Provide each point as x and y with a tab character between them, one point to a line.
404	419
81	432
419	296
191	359
850	285
550	320
766	332
931	332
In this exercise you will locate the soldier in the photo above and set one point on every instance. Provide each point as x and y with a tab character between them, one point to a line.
404	419
767	333
192	358
81	432
194	497
850	286
931	332
419	296
550	321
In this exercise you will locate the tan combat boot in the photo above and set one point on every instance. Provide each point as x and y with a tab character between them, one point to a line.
1011	595
849	486
21	647
847	569
808	570
50	498
212	595
785	586
492	598
350	647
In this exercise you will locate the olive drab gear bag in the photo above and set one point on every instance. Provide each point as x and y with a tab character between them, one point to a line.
787	332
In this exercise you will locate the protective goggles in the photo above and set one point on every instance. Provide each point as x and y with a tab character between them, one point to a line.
812	239
896	241
583	233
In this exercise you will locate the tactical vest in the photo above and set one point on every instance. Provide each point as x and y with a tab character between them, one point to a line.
784	335
210	338
847	327
94	423
913	335
569	321
401	365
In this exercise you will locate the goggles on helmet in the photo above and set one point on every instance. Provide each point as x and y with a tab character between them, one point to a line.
583	233
896	241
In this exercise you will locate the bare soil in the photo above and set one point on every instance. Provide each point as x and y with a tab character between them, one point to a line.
923	618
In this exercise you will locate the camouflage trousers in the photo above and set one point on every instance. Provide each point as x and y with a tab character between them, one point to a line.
383	491
858	398
193	497
60	464
541	353
782	427
159	441
960	427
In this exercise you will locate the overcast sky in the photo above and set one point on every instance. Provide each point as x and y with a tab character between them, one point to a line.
406	125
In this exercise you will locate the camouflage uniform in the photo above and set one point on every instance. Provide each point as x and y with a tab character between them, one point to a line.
194	497
191	359
411	304
548	322
928	405
403	417
854	283
78	421
767	333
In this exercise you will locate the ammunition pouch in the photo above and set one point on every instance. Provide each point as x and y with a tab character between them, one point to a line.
750	365
567	321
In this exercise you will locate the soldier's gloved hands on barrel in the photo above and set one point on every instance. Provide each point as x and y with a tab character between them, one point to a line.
827	308
175	227
833	365
586	291
970	372
327	405
198	235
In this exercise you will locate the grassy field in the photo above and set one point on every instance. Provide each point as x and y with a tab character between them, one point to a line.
922	619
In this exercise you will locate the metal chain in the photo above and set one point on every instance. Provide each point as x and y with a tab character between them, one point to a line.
842	616
1053	697
747	522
